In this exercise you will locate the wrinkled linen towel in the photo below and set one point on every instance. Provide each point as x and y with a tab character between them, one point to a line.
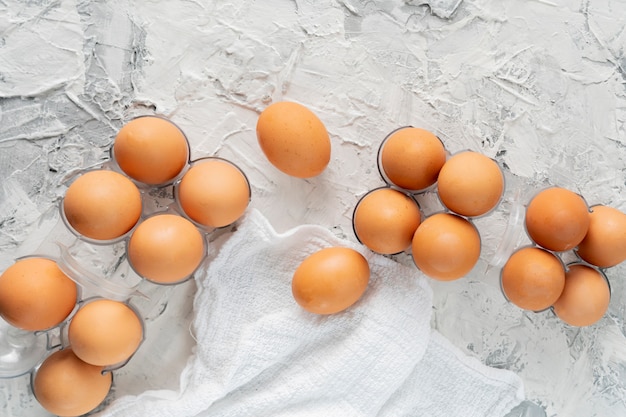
260	354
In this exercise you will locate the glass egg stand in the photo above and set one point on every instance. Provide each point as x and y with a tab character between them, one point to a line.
514	200
103	269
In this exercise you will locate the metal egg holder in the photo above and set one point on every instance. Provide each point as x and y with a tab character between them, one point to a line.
427	199
107	274
516	237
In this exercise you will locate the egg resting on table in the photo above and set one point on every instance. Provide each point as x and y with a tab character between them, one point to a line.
293	139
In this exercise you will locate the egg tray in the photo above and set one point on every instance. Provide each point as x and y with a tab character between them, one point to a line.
102	270
427	205
512	237
517	237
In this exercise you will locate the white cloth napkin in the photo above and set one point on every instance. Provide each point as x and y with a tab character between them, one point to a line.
260	354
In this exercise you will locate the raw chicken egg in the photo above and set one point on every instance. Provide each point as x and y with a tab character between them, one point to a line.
105	332
604	245
151	150
36	295
411	158
557	219
293	139
446	246
66	386
330	280
166	249
214	192
385	219
470	184
585	297
102	205
533	278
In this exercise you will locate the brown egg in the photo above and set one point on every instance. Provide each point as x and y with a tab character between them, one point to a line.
557	219
385	220
585	297
470	184
533	278
102	205
411	158
446	247
166	249
330	280
105	332
151	150
293	139
66	386
35	294
214	192
604	245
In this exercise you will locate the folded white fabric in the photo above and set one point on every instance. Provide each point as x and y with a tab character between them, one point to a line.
260	354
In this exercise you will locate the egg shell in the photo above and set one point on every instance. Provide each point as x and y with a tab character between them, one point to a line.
557	219
66	386
166	248
445	246
293	139
385	220
36	295
105	332
411	158
330	280
533	278
151	150
102	205
604	245
470	184
213	192
585	297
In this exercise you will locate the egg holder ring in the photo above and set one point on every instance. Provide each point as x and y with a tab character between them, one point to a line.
431	189
516	228
87	280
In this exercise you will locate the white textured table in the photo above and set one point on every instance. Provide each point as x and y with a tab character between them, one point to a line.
537	85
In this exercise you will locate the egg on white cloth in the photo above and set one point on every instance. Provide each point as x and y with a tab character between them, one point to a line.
259	353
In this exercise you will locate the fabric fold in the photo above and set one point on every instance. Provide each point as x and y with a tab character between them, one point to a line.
259	353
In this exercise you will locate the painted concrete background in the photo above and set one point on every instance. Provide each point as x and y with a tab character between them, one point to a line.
538	85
